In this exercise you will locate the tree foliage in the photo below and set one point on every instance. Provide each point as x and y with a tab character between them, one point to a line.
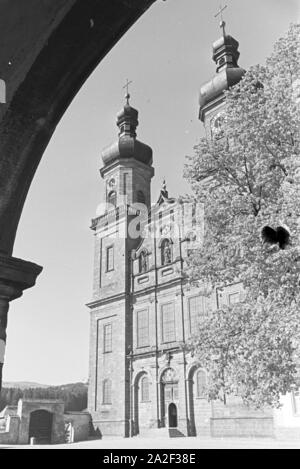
249	179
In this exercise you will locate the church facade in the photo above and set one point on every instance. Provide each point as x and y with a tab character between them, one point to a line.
144	309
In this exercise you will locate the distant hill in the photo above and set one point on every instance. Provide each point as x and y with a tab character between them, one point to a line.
74	395
24	385
33	385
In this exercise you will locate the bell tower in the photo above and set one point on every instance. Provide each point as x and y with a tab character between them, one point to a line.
127	172
127	169
228	74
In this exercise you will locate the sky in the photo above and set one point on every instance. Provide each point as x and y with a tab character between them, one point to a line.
167	55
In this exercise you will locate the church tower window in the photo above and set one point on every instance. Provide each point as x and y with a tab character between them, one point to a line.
106	392
109	259
140	197
168	323
112	198
145	397
107	338
125	181
166	252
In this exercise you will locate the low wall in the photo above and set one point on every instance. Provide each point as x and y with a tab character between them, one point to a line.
81	423
242	427
11	434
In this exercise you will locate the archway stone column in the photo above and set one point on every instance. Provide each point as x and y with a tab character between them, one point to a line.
16	276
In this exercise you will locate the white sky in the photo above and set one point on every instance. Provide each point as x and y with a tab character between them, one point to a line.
167	54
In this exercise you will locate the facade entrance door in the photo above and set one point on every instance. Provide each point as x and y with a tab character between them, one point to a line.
172	414
169	398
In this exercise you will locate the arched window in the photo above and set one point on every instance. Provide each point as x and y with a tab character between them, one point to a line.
201	383
140	197
145	397
112	198
166	252
143	262
106	391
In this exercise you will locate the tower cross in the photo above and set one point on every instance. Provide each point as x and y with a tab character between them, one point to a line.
127	96
220	13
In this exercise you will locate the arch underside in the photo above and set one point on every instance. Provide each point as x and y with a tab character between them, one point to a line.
48	50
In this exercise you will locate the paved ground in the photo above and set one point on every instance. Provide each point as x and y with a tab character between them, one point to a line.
174	443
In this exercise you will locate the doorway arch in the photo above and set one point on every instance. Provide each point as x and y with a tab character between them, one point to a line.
141	397
40	426
197	395
168	394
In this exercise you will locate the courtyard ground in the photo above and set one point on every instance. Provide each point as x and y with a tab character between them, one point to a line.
171	443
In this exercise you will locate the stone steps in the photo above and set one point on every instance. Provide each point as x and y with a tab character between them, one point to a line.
160	433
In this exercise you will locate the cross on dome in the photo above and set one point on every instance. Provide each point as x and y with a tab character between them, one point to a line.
220	13
127	96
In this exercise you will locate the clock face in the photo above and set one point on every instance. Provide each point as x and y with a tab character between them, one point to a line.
217	125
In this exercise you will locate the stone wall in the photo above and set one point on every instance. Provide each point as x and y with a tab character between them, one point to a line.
11	434
242	427
27	406
81	422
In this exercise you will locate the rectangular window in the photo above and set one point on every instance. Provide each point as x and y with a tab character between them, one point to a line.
107	338
125	180
109	258
168	322
106	392
160	222
196	312
233	298
142	320
296	401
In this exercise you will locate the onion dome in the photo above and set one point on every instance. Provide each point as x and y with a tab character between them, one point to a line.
127	145
225	55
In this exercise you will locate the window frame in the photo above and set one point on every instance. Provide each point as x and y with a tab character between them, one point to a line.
105	335
162	323
109	196
189	310
106	399
138	345
234	294
143	379
111	246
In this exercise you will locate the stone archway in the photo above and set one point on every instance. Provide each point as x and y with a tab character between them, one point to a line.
40	426
139	399
199	405
49	49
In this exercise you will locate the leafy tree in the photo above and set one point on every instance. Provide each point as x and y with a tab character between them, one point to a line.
250	179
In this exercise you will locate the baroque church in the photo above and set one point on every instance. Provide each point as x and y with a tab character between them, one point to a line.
141	379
